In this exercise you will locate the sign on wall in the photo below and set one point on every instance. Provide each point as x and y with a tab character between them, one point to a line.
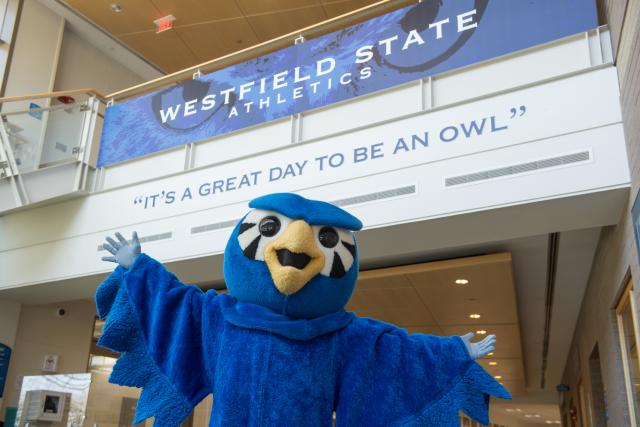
5	355
410	43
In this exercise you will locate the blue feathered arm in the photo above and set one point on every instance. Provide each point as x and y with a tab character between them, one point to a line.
155	322
401	379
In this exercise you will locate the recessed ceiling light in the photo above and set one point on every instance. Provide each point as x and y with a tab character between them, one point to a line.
474	316
493	363
115	7
498	377
461	281
481	332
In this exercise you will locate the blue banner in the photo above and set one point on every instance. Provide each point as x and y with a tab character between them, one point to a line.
410	43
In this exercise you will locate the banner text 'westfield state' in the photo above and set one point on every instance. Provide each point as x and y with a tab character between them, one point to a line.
410	43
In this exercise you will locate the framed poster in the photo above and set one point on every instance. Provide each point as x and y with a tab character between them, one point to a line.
5	355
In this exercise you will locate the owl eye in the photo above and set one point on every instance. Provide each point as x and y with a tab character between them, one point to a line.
328	237
339	248
258	229
269	226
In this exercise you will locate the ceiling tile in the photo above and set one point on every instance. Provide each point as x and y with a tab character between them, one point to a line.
340	7
490	293
252	7
397	281
136	15
206	43
508	369
166	49
270	26
196	11
400	306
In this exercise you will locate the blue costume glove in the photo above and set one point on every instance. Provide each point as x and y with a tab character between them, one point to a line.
480	349
124	253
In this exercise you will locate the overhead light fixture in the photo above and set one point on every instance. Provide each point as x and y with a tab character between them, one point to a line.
490	354
493	363
474	316
115	7
481	332
461	281
165	23
498	377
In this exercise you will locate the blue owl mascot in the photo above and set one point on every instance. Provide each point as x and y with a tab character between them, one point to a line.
280	350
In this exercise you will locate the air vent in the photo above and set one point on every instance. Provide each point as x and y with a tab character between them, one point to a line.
214	226
568	159
380	195
147	239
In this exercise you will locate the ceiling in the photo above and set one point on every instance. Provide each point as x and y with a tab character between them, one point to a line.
425	298
206	29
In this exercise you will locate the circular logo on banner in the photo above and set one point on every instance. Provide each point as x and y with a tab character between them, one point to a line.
420	18
184	107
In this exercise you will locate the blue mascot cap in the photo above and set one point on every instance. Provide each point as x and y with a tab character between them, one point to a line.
314	212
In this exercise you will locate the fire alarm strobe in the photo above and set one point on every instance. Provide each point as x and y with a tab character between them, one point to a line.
165	23
65	99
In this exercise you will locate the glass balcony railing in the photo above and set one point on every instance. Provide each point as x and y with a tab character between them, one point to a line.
45	132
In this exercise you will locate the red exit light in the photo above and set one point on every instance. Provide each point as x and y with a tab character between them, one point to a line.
165	23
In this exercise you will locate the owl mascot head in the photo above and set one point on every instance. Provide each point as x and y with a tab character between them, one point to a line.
293	255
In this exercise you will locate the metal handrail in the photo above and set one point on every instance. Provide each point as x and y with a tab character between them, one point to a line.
262	48
56	107
56	94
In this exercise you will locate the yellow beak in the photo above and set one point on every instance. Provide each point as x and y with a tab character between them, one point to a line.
293	258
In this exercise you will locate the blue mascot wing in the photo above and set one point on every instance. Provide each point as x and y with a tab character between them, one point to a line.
392	378
155	322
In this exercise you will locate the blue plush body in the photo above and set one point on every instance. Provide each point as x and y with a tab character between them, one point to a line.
278	359
265	369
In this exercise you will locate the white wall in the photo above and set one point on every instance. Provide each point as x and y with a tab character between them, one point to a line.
41	332
81	65
66	236
47	55
32	70
10	9
35	55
